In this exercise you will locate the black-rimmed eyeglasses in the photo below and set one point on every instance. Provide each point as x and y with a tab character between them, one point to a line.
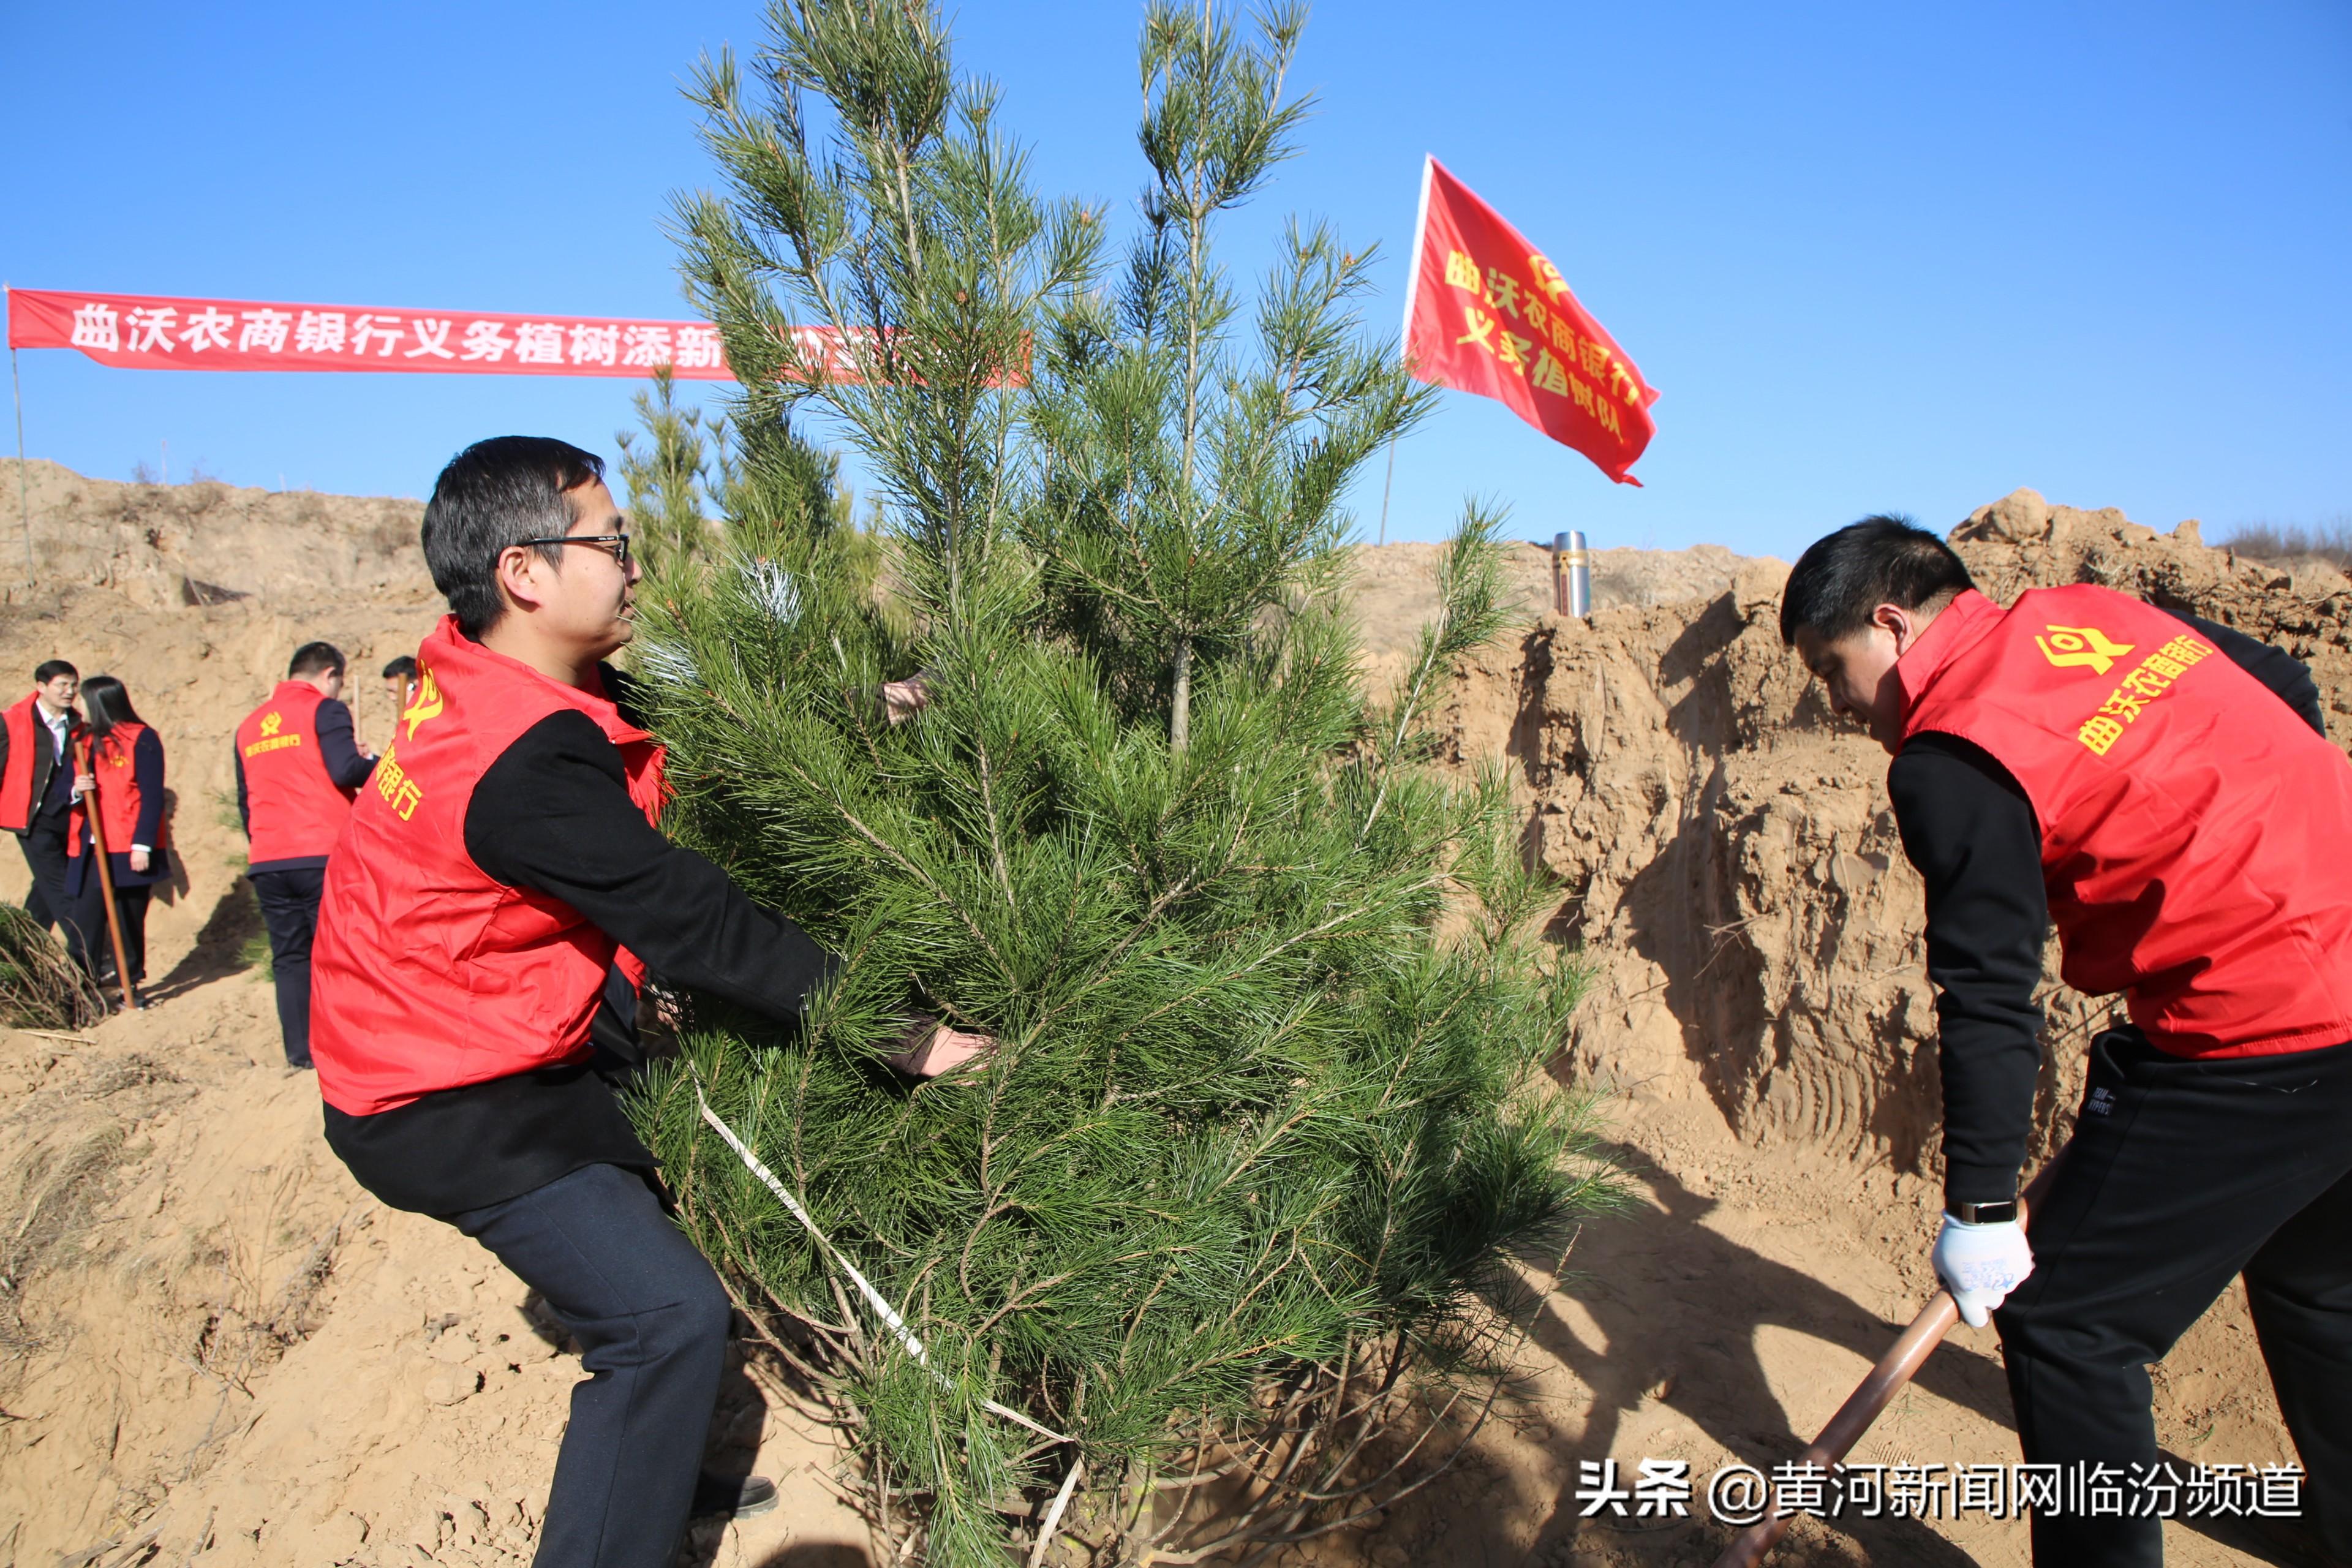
615	545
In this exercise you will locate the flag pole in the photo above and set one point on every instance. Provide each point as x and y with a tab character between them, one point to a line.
1385	489
1404	331
24	498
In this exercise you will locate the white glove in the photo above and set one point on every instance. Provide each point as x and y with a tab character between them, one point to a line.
1980	1264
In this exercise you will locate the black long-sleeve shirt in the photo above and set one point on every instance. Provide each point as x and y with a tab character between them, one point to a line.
553	816
1968	828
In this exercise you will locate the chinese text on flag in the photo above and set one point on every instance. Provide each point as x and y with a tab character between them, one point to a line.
1489	314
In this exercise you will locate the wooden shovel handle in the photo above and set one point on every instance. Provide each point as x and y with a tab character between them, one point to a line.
1896	1367
105	874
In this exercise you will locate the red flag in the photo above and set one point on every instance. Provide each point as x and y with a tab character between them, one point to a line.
1489	314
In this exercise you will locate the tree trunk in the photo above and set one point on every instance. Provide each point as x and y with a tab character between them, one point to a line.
1179	720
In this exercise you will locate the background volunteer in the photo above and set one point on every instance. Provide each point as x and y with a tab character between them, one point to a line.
126	772
298	768
36	791
400	683
2158	786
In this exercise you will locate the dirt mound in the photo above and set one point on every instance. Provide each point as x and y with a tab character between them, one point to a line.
205	544
1391	588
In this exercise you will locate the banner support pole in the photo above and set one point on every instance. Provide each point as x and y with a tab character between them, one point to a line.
24	498
1404	331
24	495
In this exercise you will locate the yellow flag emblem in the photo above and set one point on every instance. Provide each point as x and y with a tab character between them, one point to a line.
2070	648
270	723
1548	277
427	704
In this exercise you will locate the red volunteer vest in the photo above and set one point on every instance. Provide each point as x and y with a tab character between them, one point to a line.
427	974
118	795
297	812
2196	834
16	778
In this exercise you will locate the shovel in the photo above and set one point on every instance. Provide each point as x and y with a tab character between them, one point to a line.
1898	1366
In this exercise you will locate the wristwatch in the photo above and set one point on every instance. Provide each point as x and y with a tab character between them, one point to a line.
2001	1213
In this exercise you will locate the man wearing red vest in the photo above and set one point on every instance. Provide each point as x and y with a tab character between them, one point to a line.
298	768
37	790
2157	787
466	948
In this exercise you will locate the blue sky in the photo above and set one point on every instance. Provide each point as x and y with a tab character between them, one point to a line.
1874	256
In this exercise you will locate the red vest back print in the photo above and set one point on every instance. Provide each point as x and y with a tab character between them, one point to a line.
2196	833
17	775
119	799
427	974
297	812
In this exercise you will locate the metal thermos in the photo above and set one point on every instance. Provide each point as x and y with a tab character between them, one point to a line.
1571	575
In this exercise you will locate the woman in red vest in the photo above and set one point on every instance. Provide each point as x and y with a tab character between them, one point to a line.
127	762
2157	788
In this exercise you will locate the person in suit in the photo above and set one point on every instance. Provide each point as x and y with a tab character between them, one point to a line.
123	791
37	789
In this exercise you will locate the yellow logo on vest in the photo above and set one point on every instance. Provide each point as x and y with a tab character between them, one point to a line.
271	741
2072	648
427	705
2140	691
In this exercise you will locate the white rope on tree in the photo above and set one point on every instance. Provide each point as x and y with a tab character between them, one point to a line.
890	1316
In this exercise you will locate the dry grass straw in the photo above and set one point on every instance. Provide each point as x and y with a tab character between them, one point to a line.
2291	544
40	987
58	1193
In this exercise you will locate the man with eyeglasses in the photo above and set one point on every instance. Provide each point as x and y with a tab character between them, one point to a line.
501	887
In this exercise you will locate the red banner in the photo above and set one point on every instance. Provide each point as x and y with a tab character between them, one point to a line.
149	331
1489	314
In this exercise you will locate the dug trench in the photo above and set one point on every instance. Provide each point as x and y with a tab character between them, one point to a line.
219	1352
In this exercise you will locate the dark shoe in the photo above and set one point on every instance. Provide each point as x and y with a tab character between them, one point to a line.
726	1497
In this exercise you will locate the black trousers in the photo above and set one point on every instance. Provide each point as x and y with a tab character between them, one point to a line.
289	909
130	909
651	1319
48	902
37	901
2182	1174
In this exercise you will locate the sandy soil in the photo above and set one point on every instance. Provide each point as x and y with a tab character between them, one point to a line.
219	1352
